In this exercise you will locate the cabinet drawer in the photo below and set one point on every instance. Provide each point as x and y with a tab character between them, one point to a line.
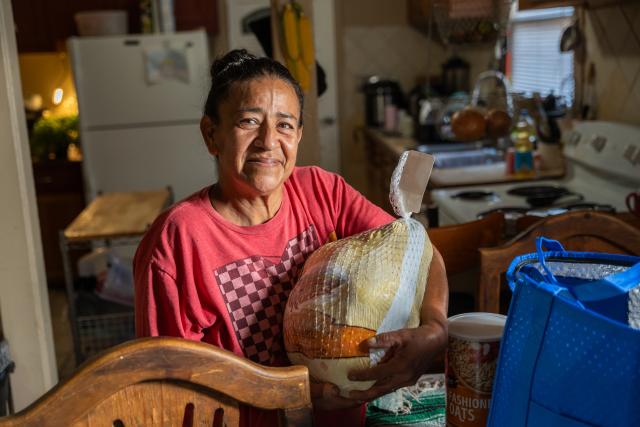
58	177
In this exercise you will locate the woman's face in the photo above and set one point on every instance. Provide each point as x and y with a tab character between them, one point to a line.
256	139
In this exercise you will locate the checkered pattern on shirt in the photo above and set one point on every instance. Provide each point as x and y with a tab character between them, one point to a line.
255	291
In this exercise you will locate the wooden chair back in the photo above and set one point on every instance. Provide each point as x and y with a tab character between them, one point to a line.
527	221
154	382
577	231
458	244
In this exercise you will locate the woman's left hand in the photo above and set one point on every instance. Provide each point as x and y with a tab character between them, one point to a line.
409	352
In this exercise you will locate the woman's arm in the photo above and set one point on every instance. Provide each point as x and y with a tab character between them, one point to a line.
436	297
410	351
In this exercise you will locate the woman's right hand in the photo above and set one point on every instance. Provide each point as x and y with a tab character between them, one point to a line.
326	397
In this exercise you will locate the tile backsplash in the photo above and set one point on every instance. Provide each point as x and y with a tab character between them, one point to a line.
612	37
396	52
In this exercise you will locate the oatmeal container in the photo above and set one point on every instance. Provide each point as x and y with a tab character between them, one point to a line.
472	358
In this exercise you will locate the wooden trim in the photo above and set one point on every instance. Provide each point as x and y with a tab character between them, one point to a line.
23	290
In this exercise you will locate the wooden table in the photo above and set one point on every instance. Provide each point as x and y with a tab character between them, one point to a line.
114	215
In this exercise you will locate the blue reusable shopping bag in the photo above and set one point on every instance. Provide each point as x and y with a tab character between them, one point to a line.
570	353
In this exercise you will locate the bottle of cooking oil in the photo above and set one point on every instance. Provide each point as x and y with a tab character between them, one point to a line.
523	137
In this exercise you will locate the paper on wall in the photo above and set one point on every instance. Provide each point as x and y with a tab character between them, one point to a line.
164	62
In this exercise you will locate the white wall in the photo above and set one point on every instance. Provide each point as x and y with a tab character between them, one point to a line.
23	293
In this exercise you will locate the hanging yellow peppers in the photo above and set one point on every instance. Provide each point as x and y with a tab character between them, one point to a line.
297	35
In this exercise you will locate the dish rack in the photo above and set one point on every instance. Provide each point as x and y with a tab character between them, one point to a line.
471	21
99	332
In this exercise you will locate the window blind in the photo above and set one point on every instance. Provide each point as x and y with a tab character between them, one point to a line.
537	63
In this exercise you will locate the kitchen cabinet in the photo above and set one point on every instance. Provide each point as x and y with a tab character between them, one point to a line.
460	22
193	14
383	154
44	25
419	12
60	198
33	30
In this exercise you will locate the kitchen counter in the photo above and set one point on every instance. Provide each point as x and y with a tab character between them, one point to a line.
381	144
483	174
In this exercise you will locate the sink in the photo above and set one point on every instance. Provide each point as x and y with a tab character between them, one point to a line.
462	158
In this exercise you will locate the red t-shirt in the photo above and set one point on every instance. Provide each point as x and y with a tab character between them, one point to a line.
200	277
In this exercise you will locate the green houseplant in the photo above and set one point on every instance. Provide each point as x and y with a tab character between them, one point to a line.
52	135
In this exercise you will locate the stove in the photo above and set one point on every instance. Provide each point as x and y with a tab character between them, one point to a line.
602	167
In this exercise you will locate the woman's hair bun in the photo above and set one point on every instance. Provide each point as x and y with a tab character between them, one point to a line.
234	59
239	65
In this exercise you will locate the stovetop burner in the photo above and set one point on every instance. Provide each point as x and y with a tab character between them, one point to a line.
473	195
591	207
518	211
539	196
506	210
538	191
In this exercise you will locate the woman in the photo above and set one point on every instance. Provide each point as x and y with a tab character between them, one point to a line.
218	266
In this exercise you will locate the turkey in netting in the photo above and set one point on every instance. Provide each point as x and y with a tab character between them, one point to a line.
351	290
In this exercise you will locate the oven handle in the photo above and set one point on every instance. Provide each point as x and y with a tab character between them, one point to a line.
579	198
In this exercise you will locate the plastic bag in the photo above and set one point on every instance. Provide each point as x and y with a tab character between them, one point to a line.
112	269
569	354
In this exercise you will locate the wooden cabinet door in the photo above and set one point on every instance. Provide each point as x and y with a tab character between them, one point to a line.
36	23
419	14
131	6
419	11
192	14
60	198
45	25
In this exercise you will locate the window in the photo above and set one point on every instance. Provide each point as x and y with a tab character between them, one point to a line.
536	63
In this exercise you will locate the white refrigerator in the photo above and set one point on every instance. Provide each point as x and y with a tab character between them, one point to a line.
140	101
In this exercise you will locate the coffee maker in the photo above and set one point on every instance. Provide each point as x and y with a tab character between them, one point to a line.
378	93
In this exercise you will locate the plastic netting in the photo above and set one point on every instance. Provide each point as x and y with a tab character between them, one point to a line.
349	291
